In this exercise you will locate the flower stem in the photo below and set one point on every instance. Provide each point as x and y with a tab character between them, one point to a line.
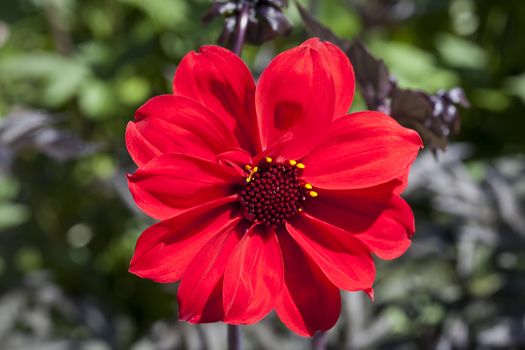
319	341
234	337
242	24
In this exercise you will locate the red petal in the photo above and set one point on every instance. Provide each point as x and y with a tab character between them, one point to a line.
362	150
381	220
389	237
253	279
164	250
174	124
200	291
342	73
310	302
295	99
219	80
140	148
369	293
342	257
235	156
172	182
237	159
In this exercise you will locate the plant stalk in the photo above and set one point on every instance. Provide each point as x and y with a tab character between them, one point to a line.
242	24
234	337
319	341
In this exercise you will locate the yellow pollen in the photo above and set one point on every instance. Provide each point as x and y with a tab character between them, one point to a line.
308	186
269	159
248	167
301	165
252	172
292	162
300	210
313	194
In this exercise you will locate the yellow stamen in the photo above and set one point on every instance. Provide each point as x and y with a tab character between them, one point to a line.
248	167
300	165
292	162
252	172
300	210
308	186
269	159
313	194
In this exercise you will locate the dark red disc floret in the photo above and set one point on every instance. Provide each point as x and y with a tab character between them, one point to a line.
272	194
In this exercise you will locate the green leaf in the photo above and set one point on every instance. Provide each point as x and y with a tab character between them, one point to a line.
168	14
12	215
414	68
60	76
97	99
461	53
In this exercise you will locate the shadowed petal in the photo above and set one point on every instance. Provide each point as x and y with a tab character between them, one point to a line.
344	259
200	291
220	80
253	279
164	250
309	302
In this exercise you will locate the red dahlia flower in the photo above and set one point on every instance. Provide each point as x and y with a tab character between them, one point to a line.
270	196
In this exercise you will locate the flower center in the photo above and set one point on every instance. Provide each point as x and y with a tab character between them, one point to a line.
273	192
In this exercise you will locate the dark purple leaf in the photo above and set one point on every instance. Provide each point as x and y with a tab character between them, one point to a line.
435	117
375	13
228	31
457	96
29	129
270	23
219	9
278	3
373	78
508	333
414	110
321	31
265	20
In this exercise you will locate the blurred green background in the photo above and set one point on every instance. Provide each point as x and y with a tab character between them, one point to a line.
79	69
